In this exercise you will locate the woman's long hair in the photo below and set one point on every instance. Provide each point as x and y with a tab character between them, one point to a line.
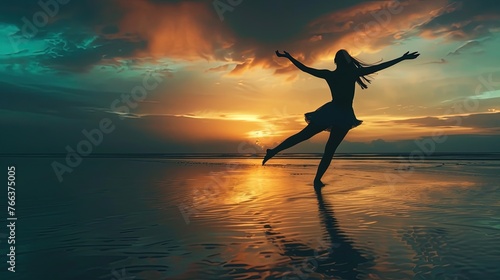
344	58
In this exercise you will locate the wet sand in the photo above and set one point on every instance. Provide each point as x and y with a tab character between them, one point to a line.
234	219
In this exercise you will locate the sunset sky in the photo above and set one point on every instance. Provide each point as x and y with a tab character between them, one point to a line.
210	81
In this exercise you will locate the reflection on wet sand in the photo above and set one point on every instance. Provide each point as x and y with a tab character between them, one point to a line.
344	259
334	255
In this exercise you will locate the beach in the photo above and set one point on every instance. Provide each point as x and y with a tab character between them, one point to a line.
231	218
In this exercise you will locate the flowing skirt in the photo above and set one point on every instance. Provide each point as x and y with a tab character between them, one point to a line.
333	116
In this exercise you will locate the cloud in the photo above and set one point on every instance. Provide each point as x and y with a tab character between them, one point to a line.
485	122
84	34
464	20
221	68
358	27
187	29
461	143
48	101
489	95
441	61
467	46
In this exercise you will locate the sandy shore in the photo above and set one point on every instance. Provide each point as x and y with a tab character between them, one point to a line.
234	219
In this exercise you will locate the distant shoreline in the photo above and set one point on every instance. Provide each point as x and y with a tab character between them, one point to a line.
352	156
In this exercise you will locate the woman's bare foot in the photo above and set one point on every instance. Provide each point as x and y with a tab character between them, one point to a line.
318	184
269	154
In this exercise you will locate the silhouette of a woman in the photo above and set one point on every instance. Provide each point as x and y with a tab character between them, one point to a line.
336	116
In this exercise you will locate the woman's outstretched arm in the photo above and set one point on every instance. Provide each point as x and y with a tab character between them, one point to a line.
315	72
375	68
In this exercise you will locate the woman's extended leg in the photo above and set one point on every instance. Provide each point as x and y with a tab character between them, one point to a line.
334	140
306	133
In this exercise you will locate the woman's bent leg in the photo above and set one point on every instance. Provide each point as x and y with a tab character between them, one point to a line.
306	133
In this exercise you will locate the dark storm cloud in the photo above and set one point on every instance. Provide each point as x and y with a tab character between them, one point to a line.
308	30
275	22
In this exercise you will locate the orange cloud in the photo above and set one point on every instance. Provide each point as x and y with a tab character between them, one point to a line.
218	68
187	30
373	25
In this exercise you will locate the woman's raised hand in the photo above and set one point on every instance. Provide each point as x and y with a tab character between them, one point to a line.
409	55
284	54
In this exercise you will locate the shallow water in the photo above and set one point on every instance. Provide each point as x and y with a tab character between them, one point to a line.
233	219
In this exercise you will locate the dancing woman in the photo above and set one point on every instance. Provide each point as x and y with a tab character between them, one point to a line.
336	116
